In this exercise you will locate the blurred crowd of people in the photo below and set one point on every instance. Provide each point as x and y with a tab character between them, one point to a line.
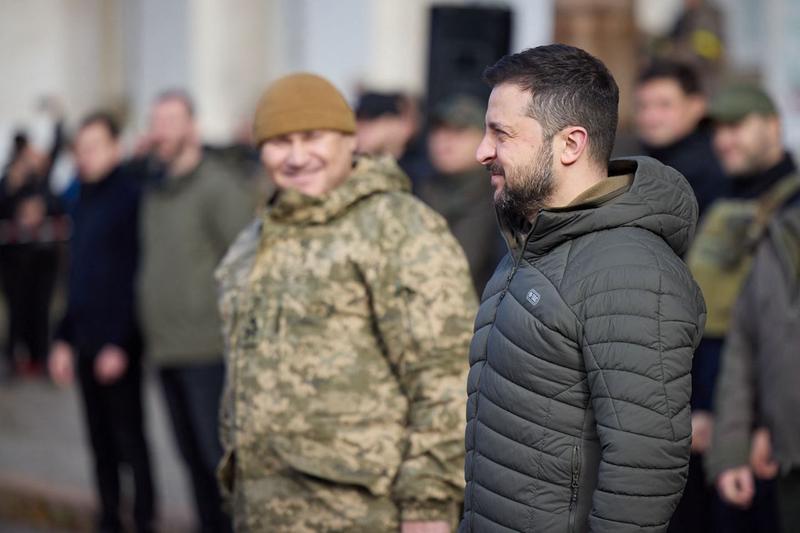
746	183
135	239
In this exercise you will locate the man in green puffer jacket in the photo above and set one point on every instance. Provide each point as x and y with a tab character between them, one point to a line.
347	310
578	412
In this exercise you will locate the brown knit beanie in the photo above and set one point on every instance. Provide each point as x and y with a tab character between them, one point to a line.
301	102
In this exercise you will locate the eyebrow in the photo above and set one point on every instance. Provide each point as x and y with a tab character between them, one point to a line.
499	126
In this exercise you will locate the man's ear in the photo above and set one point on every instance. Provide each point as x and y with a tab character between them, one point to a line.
774	125
574	141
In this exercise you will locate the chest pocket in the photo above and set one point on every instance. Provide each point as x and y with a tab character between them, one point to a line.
317	296
720	259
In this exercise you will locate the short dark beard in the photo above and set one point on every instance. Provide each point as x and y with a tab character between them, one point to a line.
527	189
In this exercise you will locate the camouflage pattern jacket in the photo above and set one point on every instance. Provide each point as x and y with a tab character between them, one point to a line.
347	321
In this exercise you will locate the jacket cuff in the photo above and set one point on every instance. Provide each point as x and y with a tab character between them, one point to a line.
426	511
733	454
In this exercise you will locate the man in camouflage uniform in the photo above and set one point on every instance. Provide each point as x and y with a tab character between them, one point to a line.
347	311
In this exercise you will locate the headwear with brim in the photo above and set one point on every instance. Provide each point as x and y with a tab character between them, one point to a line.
734	102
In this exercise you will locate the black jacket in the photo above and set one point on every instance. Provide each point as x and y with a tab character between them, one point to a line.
578	412
465	201
693	156
103	259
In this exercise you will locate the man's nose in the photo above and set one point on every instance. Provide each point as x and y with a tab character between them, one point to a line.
298	153
486	151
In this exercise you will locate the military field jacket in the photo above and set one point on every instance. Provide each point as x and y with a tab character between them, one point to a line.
347	321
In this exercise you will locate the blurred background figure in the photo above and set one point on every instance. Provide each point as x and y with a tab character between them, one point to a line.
119	55
98	339
748	142
193	207
670	108
697	37
459	187
241	156
388	124
31	226
758	398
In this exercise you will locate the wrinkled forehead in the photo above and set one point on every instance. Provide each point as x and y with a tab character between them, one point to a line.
508	102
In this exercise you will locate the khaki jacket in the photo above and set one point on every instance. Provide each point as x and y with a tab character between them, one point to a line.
347	321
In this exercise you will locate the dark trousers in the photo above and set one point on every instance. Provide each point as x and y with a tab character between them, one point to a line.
695	510
761	517
28	274
789	501
193	394
115	420
701	510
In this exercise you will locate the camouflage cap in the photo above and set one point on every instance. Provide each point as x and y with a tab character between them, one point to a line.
460	111
735	102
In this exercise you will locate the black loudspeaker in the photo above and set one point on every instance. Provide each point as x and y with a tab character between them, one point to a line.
463	42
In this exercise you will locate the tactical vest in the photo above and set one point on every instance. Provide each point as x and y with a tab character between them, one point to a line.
723	250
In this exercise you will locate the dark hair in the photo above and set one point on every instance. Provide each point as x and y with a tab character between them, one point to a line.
569	87
104	119
373	105
179	95
683	74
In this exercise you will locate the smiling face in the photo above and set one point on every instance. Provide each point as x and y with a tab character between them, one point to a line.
517	153
750	145
310	162
665	113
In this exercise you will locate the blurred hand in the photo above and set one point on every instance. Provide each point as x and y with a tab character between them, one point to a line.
736	486
110	364
61	364
761	460
702	427
439	526
31	212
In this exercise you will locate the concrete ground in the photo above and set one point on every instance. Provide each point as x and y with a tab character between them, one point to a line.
45	473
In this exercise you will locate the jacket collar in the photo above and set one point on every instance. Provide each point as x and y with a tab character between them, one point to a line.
369	176
659	200
754	185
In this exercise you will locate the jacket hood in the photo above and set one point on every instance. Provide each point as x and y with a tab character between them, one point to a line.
369	176
659	200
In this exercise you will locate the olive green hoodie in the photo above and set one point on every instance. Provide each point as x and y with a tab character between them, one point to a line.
187	223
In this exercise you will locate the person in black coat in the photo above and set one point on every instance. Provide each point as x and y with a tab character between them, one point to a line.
98	339
32	228
670	124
